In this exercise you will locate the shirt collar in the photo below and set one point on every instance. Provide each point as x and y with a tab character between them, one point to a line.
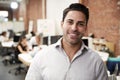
59	44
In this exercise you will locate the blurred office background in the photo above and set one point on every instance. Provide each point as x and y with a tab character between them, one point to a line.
21	17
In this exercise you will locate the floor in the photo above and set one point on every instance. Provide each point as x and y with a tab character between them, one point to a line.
4	75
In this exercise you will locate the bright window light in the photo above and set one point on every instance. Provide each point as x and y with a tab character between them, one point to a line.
5	19
4	13
14	5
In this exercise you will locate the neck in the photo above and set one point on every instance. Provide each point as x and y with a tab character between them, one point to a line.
70	49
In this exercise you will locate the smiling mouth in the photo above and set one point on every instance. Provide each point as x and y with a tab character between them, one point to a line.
73	35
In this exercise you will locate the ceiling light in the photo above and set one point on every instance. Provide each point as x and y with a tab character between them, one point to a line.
14	5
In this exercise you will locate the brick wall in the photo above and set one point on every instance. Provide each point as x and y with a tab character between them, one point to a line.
23	13
105	20
31	10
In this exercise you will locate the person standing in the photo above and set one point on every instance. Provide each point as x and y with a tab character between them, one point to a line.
69	58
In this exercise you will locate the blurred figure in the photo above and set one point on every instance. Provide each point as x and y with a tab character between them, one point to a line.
36	40
3	37
35	44
32	33
22	46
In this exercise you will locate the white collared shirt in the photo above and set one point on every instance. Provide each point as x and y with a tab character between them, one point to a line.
53	64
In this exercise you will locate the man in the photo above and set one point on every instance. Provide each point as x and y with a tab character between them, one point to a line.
69	58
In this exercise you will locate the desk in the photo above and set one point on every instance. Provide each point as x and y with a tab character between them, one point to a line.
7	44
99	45
6	48
25	58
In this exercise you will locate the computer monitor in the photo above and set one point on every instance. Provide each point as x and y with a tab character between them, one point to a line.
88	41
53	39
45	40
11	34
16	38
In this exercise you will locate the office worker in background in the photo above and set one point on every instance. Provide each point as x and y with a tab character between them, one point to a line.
3	37
35	44
69	58
22	46
32	33
36	40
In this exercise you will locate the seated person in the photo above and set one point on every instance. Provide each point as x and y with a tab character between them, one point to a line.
36	44
3	37
36	40
22	46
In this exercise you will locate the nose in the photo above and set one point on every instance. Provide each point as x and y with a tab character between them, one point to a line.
74	27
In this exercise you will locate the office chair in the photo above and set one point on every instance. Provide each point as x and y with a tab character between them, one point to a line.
14	59
6	55
17	70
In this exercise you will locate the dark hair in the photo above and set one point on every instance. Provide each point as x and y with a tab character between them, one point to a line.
33	33
3	33
76	7
21	39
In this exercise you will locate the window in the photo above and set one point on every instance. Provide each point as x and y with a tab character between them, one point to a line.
3	15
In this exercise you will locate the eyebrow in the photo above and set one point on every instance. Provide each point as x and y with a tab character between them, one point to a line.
77	21
82	21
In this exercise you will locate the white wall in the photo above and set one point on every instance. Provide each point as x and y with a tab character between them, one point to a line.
54	10
16	26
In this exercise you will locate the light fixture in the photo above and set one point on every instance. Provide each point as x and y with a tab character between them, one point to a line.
14	5
4	13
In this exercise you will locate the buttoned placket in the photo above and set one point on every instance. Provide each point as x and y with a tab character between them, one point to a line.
67	77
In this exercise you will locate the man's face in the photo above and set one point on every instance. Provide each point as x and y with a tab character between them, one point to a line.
74	27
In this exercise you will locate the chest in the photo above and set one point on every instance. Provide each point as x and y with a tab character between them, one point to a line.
59	68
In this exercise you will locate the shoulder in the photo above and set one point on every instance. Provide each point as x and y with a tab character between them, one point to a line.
19	44
1	37
94	56
44	55
95	60
46	51
100	67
